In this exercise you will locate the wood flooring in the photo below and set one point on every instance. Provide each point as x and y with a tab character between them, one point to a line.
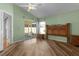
35	47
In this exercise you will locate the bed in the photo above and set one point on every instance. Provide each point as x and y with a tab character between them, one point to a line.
59	30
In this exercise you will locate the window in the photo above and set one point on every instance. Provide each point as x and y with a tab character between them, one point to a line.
42	26
34	28
30	28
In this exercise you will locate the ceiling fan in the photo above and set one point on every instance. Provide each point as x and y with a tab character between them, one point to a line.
31	6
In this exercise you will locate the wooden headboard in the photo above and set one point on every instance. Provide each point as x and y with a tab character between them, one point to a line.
59	30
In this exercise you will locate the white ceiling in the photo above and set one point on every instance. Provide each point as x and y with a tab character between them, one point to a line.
50	9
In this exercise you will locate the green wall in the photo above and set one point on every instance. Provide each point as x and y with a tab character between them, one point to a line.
19	16
6	7
70	17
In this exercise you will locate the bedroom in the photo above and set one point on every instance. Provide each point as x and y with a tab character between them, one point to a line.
39	29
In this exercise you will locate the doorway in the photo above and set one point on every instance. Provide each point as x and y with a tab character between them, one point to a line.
30	29
35	29
41	30
7	30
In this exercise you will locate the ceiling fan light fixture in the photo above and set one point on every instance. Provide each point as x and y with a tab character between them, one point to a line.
31	7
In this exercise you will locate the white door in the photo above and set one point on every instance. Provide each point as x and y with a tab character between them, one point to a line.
7	27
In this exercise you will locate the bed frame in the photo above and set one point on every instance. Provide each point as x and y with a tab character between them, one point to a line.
59	30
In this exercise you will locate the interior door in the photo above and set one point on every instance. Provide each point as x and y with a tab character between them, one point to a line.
7	29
